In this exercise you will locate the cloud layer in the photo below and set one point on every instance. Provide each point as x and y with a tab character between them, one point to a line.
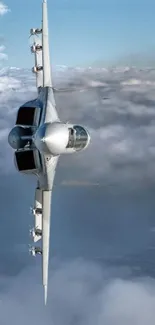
102	237
80	293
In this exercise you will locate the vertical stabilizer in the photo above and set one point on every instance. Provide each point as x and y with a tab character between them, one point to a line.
47	81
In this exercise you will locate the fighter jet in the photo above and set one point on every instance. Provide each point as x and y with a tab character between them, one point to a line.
39	138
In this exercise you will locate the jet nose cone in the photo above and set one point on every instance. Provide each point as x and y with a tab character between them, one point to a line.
52	138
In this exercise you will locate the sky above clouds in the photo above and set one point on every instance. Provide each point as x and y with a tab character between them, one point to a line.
83	32
102	232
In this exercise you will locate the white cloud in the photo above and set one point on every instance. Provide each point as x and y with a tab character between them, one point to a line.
3	9
84	292
7	83
128	302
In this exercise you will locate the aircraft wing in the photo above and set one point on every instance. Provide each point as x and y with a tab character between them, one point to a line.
42	213
46	216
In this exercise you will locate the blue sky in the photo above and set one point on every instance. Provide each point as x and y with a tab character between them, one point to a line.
81	32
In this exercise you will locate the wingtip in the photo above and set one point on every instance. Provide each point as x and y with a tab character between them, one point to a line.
45	294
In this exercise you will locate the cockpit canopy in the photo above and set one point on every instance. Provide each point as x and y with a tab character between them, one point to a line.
78	138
